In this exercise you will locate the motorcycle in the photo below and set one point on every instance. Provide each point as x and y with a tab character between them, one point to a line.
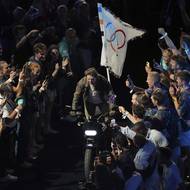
98	135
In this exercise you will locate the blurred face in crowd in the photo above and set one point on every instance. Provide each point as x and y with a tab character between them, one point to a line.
35	69
62	12
70	35
5	91
139	141
41	55
4	68
91	79
166	56
172	91
134	99
55	53
180	82
152	79
84	9
173	64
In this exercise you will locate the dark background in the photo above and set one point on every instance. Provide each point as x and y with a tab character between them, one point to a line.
60	164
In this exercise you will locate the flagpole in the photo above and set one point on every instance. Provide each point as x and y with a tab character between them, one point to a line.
108	74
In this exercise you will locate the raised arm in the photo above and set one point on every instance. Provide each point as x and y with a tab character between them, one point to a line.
167	39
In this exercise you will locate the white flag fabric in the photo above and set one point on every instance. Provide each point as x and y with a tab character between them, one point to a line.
115	36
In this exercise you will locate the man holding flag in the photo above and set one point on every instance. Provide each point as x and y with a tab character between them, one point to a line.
96	93
93	87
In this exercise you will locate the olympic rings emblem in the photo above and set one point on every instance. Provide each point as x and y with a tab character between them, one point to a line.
113	37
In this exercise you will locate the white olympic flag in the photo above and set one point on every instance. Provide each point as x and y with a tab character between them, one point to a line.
115	36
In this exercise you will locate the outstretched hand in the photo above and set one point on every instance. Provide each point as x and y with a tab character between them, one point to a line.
65	62
157	66
121	109
161	31
12	75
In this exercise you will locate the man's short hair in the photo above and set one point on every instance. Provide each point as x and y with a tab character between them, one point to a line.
183	75
158	95
178	58
5	88
91	71
169	51
139	93
139	140
164	80
155	75
61	8
39	47
70	33
140	127
138	110
144	100
121	140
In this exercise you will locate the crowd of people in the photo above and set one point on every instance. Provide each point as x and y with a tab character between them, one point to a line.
45	47
160	125
45	50
152	152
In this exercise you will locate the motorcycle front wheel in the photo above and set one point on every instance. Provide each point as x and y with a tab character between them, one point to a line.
87	164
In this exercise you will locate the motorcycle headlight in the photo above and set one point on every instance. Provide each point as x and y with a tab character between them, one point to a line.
90	133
